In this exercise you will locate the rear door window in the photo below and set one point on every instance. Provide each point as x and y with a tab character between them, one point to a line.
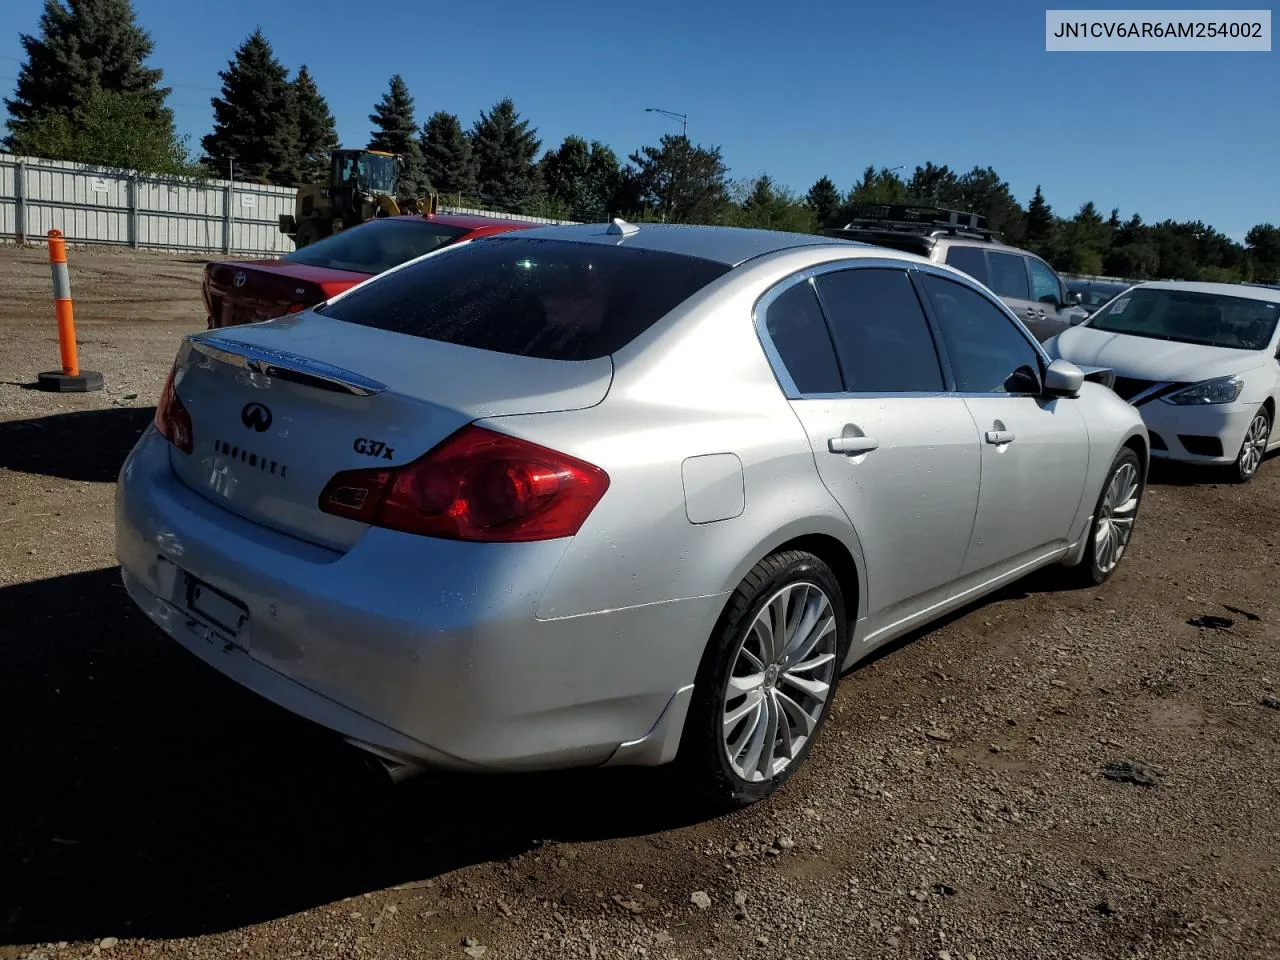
970	260
1008	275
881	335
553	299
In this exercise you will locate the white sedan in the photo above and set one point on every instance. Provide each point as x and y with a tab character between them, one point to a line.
1199	360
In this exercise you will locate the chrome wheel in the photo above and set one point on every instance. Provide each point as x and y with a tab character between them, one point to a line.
1254	446
1115	520
780	682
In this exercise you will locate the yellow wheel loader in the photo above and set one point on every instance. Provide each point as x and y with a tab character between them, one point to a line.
362	185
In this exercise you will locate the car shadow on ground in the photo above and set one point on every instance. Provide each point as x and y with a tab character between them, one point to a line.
88	445
147	796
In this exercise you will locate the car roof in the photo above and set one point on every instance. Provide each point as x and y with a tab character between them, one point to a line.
728	245
1241	290
466	221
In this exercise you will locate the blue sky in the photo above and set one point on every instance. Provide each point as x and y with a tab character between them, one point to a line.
796	88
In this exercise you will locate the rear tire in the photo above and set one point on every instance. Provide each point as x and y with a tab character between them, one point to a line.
1253	448
1114	516
762	695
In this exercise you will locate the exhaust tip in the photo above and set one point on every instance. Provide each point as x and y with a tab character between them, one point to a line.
394	769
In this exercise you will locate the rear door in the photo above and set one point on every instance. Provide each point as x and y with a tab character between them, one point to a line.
897	451
1035	451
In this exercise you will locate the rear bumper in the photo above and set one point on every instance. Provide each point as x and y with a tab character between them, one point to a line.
425	649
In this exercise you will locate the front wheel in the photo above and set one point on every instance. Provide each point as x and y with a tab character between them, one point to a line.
767	680
1114	518
1253	448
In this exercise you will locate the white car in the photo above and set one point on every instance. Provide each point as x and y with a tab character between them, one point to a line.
1199	360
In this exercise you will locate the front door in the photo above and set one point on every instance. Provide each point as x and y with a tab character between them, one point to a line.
1035	450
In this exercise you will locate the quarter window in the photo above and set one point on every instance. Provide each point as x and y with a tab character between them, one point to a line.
1008	275
881	335
987	351
1044	283
799	333
970	260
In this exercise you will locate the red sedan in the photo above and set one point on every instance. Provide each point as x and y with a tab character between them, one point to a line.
246	291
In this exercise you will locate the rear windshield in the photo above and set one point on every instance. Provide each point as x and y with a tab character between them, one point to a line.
375	246
554	299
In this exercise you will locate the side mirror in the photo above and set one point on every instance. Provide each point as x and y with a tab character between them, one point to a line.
1074	298
1063	379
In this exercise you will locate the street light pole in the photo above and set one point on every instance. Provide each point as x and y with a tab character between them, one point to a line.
682	117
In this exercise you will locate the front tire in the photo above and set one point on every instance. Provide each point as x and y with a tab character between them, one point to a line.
1253	448
1114	518
766	681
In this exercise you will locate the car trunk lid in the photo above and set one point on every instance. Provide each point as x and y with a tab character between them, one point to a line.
247	292
278	408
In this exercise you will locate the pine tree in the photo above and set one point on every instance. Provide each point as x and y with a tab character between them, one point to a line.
448	162
581	177
396	131
317	133
254	121
824	199
1039	225
505	147
84	46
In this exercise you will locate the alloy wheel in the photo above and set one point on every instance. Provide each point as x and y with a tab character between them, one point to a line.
781	679
1116	518
1254	446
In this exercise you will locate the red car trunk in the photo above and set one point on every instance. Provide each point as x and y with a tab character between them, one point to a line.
246	292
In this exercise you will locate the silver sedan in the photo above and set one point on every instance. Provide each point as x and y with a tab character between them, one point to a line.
607	494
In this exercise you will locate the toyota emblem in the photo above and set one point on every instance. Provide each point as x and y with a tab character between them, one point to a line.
238	279
256	416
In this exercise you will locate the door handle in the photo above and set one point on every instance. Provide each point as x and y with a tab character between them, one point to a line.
999	436
852	446
1030	311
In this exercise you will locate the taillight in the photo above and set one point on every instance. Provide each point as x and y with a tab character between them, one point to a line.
476	485
296	308
172	419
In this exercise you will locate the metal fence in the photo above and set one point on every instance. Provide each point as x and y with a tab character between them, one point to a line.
104	205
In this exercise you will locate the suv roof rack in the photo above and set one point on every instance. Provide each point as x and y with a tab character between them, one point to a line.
916	219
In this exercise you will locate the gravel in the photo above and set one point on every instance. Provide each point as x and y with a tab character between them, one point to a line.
952	808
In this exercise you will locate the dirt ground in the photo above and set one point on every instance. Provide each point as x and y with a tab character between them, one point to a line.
954	808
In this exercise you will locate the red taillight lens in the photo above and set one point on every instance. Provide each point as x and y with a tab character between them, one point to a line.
476	485
172	419
296	308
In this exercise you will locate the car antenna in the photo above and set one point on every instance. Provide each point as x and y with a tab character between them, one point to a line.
620	228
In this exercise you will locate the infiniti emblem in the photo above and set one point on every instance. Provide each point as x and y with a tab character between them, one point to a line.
255	416
238	279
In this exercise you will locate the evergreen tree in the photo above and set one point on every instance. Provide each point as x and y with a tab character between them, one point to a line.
1040	224
582	178
254	121
764	205
396	131
83	46
824	199
933	185
448	162
317	132
682	183
505	147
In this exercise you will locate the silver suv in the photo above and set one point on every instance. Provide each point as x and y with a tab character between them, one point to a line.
1030	287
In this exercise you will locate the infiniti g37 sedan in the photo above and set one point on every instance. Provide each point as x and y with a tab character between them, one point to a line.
1200	362
607	494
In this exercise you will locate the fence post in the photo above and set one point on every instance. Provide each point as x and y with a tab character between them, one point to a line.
228	196
20	201
133	211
